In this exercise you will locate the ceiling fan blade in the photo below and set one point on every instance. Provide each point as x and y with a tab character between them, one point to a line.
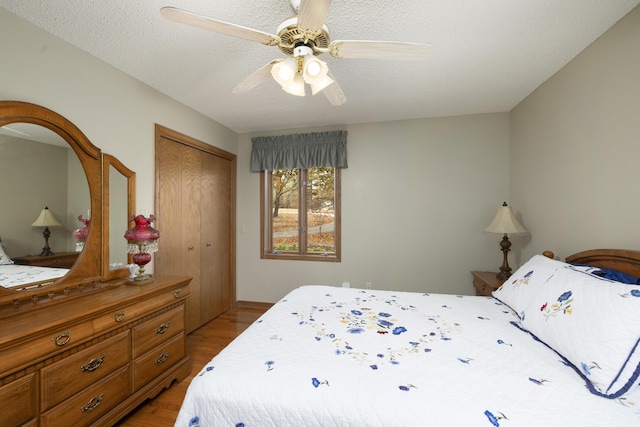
379	49
334	93
255	78
206	23
312	14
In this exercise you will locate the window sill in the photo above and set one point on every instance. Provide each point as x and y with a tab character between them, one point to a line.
299	257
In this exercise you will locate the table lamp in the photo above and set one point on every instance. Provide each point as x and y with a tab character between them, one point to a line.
143	241
505	223
46	220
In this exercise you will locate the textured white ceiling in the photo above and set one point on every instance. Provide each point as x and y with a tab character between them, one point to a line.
487	54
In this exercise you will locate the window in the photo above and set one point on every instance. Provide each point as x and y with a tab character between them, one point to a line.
300	194
300	214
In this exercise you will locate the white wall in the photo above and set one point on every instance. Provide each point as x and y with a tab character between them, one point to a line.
566	159
42	171
116	112
416	198
575	149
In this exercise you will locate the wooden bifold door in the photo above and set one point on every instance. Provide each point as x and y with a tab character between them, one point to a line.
195	209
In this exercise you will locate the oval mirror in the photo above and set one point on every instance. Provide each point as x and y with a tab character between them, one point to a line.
52	176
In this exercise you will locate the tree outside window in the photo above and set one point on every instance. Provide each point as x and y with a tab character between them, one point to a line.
301	214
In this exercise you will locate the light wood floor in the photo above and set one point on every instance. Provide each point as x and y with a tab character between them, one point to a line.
202	344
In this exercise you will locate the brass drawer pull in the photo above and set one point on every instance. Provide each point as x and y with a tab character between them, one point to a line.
93	403
162	328
177	293
62	339
93	364
163	358
119	316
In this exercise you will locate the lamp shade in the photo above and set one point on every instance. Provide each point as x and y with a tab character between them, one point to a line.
505	223
315	73
46	219
284	71
295	86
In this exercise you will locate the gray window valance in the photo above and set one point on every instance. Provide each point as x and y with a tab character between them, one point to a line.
303	150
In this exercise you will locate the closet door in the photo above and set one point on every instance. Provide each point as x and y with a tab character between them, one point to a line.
216	229
178	211
195	206
191	200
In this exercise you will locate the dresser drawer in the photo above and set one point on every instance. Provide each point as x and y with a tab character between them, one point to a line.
134	311
18	401
93	402
156	361
155	331
74	373
62	260
45	345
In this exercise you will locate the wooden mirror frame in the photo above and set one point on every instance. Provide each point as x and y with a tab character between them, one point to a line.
107	161
86	272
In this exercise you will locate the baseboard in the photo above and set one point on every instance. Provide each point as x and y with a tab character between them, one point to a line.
252	304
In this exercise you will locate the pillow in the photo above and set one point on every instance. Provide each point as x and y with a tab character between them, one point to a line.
518	290
608	273
4	258
593	323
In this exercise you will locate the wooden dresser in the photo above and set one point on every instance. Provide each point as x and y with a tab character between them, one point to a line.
93	358
58	260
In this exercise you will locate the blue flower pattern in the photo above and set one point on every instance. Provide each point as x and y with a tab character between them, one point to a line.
366	320
524	280
387	323
561	306
633	293
493	419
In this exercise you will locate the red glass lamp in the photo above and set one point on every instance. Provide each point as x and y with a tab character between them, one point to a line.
142	240
81	233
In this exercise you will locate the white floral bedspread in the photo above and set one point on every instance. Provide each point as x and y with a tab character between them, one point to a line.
327	356
14	275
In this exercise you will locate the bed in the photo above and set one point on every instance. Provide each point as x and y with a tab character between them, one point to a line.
16	276
26	276
555	346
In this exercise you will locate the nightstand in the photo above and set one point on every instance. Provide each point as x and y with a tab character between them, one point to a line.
485	282
58	260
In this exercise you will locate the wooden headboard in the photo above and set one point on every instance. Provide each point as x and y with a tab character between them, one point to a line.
624	260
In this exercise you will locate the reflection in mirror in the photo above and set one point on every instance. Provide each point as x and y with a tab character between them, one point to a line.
39	169
119	192
118	214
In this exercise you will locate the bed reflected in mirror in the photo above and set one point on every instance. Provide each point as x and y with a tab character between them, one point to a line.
39	169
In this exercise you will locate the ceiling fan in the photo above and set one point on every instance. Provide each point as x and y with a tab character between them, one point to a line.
302	38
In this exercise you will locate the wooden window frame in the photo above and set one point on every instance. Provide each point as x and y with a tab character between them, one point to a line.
267	229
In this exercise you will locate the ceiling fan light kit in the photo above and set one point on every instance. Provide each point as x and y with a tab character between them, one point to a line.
293	72
302	39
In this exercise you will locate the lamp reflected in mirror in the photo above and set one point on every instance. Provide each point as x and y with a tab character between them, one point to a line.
80	234
46	220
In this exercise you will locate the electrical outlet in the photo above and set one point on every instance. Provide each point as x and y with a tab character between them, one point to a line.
368	285
346	284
